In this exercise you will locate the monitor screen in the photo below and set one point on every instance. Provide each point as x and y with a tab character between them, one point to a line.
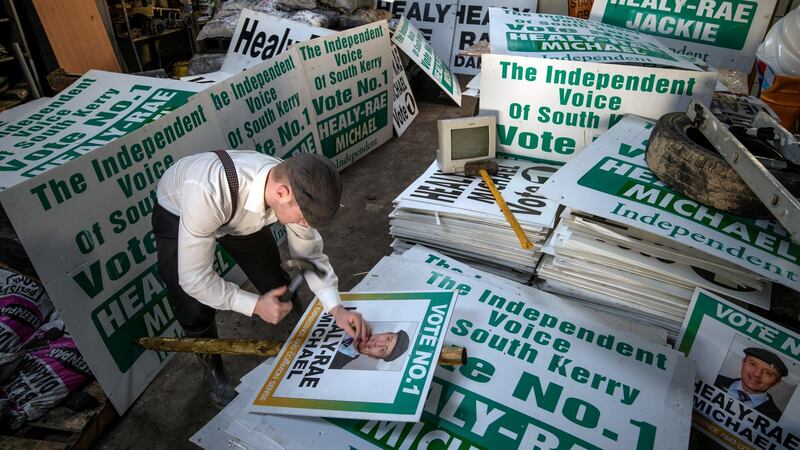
469	142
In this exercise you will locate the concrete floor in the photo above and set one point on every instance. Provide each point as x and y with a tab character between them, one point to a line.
176	405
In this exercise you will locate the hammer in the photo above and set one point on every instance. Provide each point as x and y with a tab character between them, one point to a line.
484	168
303	266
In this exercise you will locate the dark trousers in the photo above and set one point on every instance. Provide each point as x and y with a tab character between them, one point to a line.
257	254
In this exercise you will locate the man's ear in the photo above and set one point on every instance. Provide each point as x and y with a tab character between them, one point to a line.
284	193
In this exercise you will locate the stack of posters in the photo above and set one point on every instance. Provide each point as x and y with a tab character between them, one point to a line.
540	369
630	244
458	216
636	274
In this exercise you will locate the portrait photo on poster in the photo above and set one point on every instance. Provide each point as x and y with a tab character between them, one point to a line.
386	349
758	377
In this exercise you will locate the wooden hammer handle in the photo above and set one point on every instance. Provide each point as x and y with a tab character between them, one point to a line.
523	238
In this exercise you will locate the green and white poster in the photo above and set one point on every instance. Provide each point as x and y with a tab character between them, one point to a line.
85	222
472	26
350	78
611	180
550	110
267	108
435	19
748	369
79	177
95	110
412	42
571	39
541	372
723	34
322	372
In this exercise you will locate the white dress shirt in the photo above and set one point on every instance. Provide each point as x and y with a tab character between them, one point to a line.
196	189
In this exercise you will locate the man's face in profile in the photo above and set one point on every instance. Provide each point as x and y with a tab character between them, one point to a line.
757	375
378	345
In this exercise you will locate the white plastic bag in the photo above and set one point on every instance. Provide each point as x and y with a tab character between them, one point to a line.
781	47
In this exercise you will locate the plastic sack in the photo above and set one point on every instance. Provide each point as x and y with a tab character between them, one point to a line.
205	63
293	5
781	47
24	307
346	6
362	16
323	18
46	376
223	24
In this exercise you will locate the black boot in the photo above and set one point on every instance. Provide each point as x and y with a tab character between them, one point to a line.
220	389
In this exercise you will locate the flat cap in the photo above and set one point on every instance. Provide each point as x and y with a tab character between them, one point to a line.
400	346
316	186
768	357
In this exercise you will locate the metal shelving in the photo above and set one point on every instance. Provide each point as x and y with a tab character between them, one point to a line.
13	40
152	22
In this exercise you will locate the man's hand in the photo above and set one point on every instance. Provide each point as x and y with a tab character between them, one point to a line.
270	307
351	322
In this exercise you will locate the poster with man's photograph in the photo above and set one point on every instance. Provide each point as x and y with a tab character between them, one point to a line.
748	369
322	371
386	349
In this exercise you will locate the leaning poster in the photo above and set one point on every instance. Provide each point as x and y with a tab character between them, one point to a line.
748	368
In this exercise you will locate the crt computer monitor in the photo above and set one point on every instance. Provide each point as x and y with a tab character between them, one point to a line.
464	140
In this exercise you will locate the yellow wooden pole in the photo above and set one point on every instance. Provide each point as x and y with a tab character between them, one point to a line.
501	202
450	356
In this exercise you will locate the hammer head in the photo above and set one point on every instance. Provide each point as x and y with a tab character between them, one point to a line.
472	168
303	265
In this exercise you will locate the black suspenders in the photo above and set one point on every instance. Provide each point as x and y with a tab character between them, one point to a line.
233	180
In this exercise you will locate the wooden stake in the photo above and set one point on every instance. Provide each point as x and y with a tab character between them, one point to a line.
450	356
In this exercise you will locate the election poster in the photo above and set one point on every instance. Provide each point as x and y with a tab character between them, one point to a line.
96	109
323	372
541	372
472	26
435	19
748	369
518	181
722	34
130	130
550	110
451	26
404	109
609	256
459	215
93	212
570	39
612	181
261	36
267	108
351	79
258	37
411	41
